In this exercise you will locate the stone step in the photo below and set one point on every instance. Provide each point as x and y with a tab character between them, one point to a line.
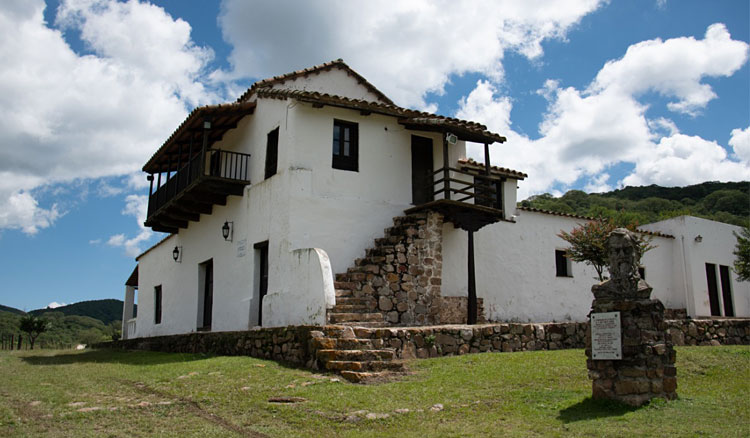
353	365
368	324
355	355
354	317
351	308
352	300
343	293
380	251
358	344
340	284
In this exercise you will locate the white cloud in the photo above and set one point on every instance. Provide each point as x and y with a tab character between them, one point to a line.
55	305
136	206
22	211
681	160
740	142
675	68
584	133
405	48
71	116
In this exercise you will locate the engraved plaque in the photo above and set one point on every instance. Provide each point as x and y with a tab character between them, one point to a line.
606	338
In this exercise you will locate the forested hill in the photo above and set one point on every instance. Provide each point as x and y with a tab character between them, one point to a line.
105	311
723	202
11	310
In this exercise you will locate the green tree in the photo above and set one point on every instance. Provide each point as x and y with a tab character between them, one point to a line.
33	326
742	251
588	243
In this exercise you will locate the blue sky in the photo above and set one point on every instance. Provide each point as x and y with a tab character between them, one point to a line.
591	94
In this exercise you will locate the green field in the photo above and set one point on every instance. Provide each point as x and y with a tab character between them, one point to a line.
546	393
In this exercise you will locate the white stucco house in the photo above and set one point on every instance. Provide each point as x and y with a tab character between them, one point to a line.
280	210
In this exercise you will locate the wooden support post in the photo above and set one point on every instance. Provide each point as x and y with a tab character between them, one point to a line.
204	148
150	179
472	302
446	167
487	165
190	159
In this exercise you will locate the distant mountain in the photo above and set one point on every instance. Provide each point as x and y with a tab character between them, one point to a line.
105	311
724	202
11	310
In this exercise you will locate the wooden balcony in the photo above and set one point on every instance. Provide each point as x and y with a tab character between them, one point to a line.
468	199
206	180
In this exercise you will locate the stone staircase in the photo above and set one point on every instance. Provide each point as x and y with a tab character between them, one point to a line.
358	360
396	281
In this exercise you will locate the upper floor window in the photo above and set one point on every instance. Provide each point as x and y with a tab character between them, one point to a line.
562	264
345	145
272	153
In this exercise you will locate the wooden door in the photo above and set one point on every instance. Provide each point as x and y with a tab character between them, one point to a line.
263	277
421	170
208	295
713	289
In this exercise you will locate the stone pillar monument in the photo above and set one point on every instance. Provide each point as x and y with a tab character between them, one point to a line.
630	355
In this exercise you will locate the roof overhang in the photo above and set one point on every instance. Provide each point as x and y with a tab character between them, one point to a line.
222	118
133	279
456	127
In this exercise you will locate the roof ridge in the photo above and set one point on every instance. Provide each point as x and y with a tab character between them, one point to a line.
589	218
314	69
405	112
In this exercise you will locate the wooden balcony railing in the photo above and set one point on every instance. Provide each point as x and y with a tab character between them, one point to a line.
479	190
214	164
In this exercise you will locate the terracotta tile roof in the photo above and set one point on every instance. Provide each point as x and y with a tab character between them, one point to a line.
588	218
500	171
224	117
464	129
338	63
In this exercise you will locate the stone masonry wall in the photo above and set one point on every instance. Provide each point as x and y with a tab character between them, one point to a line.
294	344
454	310
288	344
402	273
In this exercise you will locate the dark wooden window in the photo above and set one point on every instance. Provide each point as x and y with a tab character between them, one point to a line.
713	289
345	145
642	272
157	305
272	153
726	290
562	264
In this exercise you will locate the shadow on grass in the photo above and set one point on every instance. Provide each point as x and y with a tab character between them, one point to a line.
111	356
589	409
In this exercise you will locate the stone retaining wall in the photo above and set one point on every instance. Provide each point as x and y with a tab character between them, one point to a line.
293	344
288	344
709	331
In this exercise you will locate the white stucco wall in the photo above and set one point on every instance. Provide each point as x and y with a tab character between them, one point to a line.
690	258
343	211
335	81
303	293
515	269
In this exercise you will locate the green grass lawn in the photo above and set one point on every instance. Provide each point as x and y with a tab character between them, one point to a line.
546	393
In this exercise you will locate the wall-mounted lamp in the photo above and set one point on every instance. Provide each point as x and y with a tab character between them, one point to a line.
206	124
177	254
226	230
699	238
